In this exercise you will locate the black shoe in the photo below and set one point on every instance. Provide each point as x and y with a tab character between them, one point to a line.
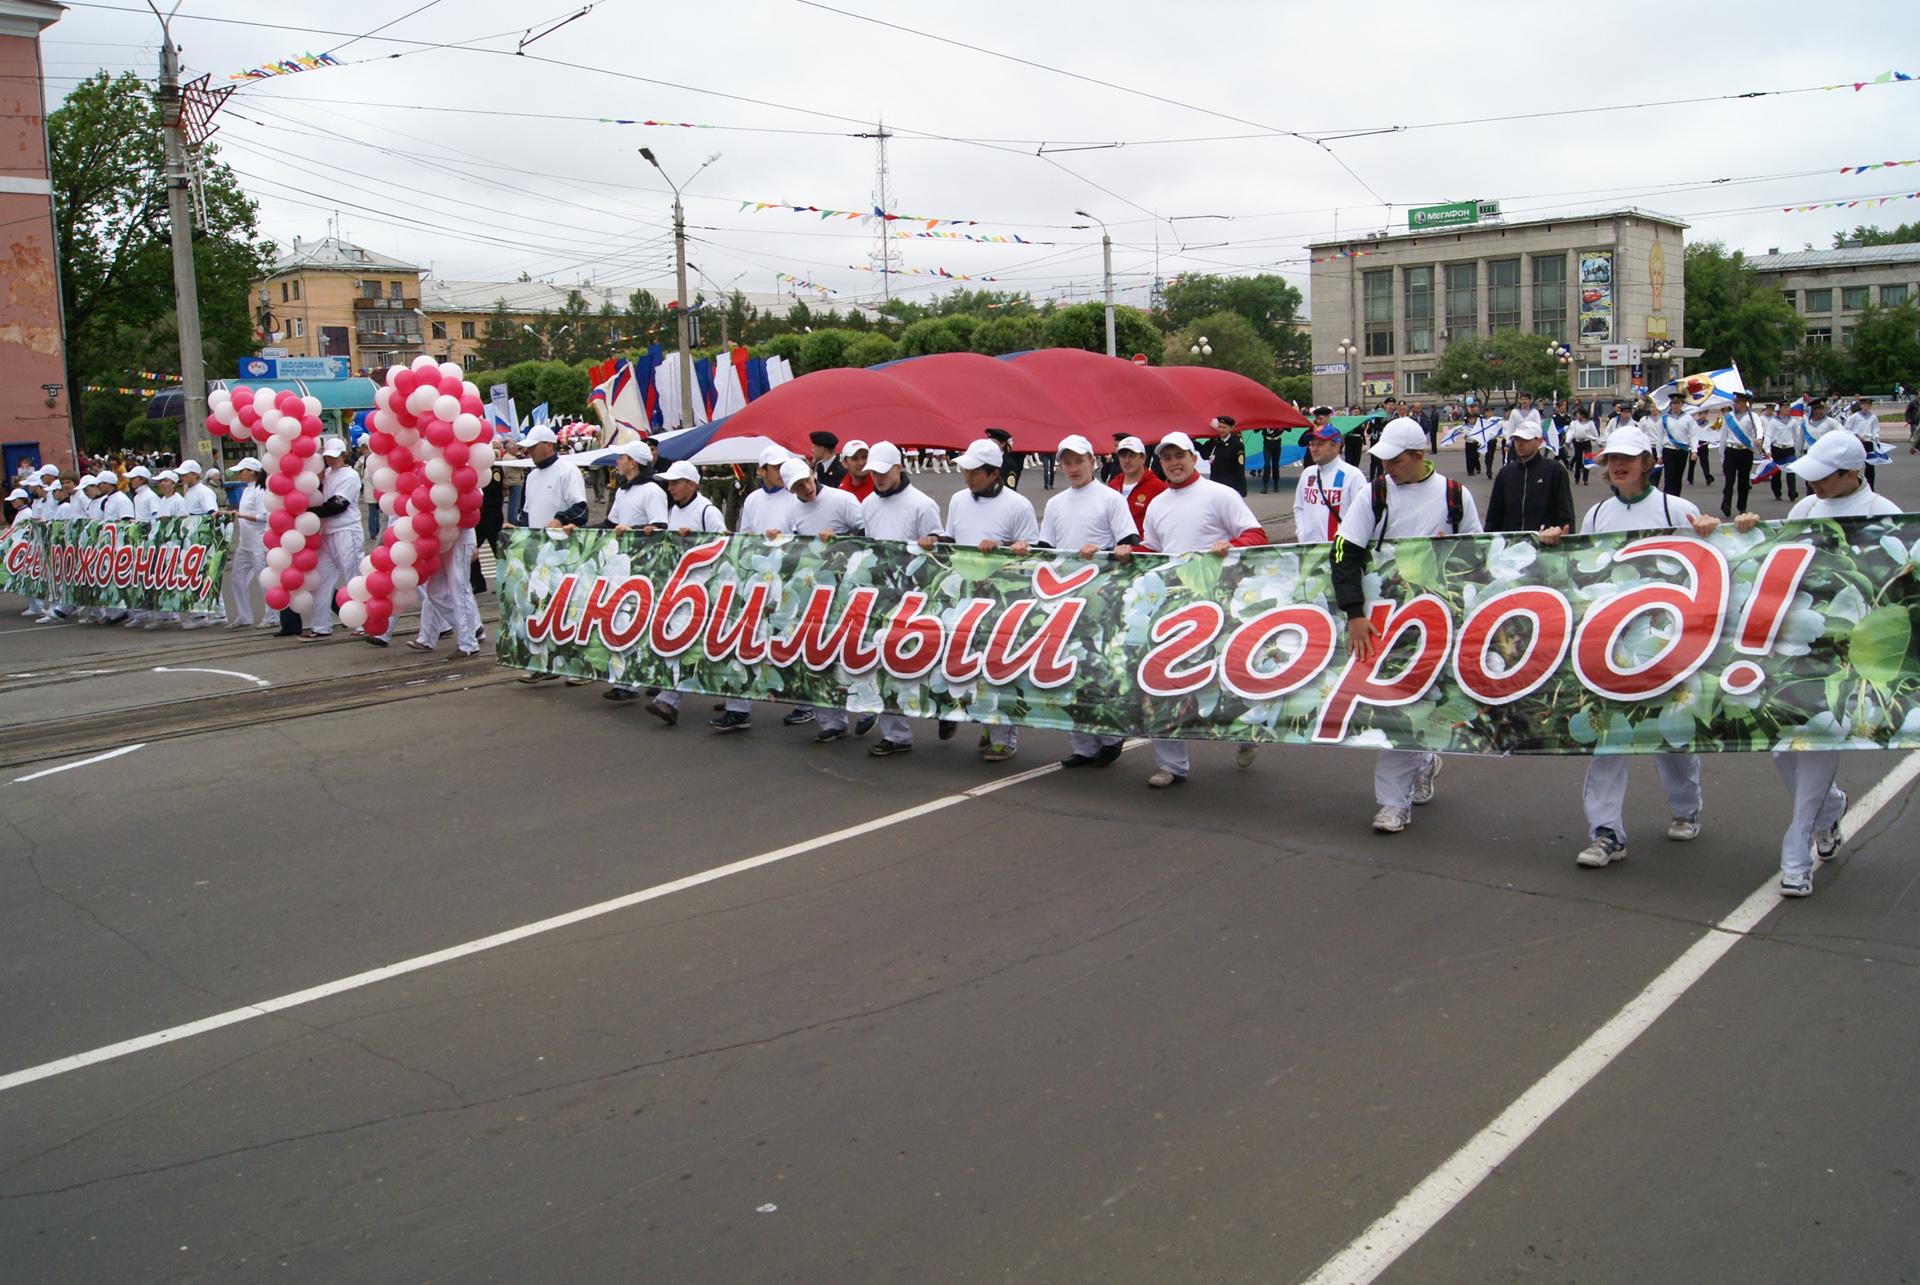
946	729
665	713
827	736
797	717
1078	760
864	724
1108	755
371	641
731	722
718	706
885	748
537	677
620	694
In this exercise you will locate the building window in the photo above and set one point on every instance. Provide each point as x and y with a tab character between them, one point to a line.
1892	296
1846	335
1419	287
1503	294
1820	301
296	292
466	330
1376	289
1417	380
299	327
439	330
1463	300
396	290
369	289
1550	296
1853	298
1819	334
1597	376
1792	297
283	292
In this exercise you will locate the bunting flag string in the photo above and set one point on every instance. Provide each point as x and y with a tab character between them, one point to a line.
125	392
1884	78
1865	203
798	281
919	272
1878	165
866	216
286	67
962	236
670	124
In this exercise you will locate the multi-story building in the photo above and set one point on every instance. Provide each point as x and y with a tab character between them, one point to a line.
1607	285
1831	288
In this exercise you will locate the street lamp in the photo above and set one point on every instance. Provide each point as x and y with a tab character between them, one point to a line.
1202	348
1348	353
1106	263
680	274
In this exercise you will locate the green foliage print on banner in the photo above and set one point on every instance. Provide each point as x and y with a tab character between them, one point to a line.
23	566
1796	636
166	564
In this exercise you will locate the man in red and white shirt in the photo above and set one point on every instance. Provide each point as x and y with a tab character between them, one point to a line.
1328	485
1193	515
1137	483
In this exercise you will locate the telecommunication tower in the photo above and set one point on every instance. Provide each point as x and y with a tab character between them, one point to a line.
885	258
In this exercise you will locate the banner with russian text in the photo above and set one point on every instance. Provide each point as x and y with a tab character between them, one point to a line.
23	569
167	564
1796	636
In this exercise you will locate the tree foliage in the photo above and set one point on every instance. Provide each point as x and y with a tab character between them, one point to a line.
1904	234
1736	319
1269	303
1485	364
1236	346
1085	326
116	257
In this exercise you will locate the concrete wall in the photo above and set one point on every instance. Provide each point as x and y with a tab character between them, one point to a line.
32	347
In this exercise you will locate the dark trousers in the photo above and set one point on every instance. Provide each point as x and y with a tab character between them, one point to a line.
1473	458
1783	456
1738	466
1270	470
1046	472
1705	455
1869	475
1673	468
1578	461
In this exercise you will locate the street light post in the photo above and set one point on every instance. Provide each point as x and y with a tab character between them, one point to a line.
680	281
1106	267
1349	353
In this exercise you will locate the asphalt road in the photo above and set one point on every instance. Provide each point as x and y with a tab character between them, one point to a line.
1067	1030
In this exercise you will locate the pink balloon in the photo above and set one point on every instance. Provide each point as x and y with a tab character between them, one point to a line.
245	412
277	598
379	583
469	518
380	443
455	452
292	578
452	385
403	415
242	395
440	433
280	484
382	561
471	403
289	403
400	459
427	548
465	480
303	447
215	427
422	498
340	596
296	500
280	521
403	383
307	559
310	426
291	464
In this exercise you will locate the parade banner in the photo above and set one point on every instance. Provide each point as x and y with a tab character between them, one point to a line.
24	567
167	564
1798	636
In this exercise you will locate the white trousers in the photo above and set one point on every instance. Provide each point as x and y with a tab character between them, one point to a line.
1087	745
830	720
340	553
1817	803
446	599
1003	734
1394	774
739	705
243	581
1169	756
896	728
1605	792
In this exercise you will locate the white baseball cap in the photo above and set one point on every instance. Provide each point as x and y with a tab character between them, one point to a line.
852	448
774	456
189	466
534	436
166	475
1178	440
139	470
681	471
335	447
882	456
18	494
981	454
1075	443
1626	440
248	463
1833	453
793	470
1133	444
1397	438
1526	428
638	452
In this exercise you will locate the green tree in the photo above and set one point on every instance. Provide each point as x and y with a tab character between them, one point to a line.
786	345
822	350
1824	366
1489	363
1269	302
507	343
1905	234
1732	316
116	265
1085	326
1007	334
870	350
1886	348
1235	345
1297	389
645	321
932	335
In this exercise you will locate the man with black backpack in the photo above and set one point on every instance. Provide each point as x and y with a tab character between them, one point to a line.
1409	501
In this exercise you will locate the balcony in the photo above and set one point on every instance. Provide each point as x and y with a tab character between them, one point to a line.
371	334
386	305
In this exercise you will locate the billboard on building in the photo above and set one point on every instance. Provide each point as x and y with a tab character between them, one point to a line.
1596	296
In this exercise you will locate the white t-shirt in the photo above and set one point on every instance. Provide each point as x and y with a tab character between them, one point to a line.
341	484
1864	426
1091	514
1417	510
201	499
1781	432
1188	519
1860	503
1669	431
251	525
1516	417
1324	496
146	504
765	510
174	506
1750	426
698	514
639	504
831	510
908	514
551	491
116	506
1815	429
1654	511
1004	518
1583	430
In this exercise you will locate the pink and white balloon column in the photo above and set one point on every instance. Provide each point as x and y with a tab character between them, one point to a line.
288	428
426	464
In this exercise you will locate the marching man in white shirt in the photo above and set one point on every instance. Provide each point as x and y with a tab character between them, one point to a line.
249	545
1817	424
1327	488
1194	515
1865	425
689	513
1672	430
813	511
341	542
1741	434
1419	503
199	498
986	516
897	510
765	508
1627	458
1783	443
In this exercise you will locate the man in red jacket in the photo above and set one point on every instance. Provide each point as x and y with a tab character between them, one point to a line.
1137	483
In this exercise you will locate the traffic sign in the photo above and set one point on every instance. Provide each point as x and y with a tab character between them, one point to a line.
1139	359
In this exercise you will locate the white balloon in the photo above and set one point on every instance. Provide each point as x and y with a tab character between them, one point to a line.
393	370
468	428
263	399
385	420
403	575
292	541
405	599
451	369
425	363
308	482
274	502
357	589
353	614
271	576
480	457
469	389
380	396
449	531
307	523
438	470
301	602
315	464
403	553
390	504
406	438
312	404
446	516
445	495
421	399
384	479
366	567
375	461
446	407
270	420
218	398
403	529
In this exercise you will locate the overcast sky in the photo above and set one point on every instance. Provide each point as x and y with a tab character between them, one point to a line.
524	177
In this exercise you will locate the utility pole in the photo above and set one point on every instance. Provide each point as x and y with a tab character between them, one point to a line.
193	370
1106	260
680	282
884	255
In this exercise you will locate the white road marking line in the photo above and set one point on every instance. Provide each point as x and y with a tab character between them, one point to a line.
68	767
174	1034
1420	1210
230	673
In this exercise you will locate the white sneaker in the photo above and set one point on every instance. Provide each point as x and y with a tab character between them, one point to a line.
194	624
1827	842
1796	885
1162	779
1604	850
1246	754
1682	829
1423	784
1391	820
41	620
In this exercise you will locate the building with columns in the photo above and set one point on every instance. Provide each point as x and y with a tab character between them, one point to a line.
1609	286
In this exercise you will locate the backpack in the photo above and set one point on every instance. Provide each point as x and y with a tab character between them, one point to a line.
1456	508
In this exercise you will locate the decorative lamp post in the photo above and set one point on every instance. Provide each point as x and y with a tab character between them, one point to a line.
1349	352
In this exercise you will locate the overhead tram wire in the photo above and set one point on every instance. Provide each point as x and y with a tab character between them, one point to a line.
383	26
